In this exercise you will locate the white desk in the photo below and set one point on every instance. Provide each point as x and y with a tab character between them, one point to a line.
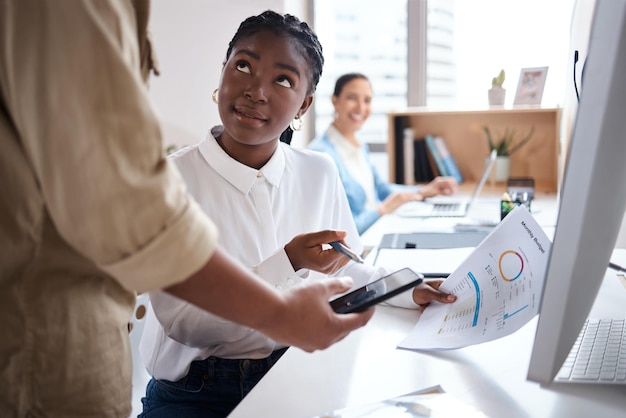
544	209
366	367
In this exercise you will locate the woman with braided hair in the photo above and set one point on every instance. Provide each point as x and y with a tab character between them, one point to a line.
276	208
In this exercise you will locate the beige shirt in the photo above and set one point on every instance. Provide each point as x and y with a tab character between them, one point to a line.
90	210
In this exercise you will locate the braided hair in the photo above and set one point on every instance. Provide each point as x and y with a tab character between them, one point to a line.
292	27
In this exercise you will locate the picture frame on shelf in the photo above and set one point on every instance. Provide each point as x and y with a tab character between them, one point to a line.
530	86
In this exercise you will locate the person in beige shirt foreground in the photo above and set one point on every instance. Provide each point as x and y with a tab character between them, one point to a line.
91	213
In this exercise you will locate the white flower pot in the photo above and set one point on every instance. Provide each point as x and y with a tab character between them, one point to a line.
496	96
501	169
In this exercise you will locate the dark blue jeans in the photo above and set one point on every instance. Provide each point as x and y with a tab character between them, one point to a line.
212	388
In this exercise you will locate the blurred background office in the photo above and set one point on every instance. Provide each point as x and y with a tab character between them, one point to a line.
436	53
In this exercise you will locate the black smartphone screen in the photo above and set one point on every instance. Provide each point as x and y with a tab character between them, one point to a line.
377	291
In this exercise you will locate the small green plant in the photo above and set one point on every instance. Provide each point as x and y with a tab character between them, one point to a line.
504	145
499	80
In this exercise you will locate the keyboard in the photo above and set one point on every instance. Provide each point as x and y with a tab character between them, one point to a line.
445	208
598	355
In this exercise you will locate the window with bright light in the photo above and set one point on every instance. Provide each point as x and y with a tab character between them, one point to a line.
366	36
467	43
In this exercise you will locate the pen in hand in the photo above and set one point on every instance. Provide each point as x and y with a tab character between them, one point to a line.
340	248
435	275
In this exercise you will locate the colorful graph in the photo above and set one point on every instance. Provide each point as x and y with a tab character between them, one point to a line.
466	313
511	265
498	289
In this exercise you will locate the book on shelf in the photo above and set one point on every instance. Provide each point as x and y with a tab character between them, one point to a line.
410	176
431	162
448	160
399	124
421	164
433	151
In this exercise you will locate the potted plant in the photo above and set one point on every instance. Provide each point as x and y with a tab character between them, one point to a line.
505	145
497	93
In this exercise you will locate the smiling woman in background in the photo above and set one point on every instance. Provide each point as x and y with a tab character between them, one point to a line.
369	195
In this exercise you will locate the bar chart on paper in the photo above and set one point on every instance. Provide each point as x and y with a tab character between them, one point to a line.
511	288
497	288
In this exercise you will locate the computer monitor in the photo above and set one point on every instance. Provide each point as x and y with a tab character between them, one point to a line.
593	195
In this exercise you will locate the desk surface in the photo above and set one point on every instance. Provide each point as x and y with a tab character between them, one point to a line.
366	367
487	208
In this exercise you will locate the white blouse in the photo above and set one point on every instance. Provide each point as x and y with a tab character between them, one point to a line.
257	213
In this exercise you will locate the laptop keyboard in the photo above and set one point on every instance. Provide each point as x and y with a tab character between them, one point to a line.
598	355
443	208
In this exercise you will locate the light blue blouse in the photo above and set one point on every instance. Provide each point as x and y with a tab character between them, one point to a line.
363	217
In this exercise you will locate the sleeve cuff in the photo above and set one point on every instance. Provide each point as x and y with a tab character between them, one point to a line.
278	271
178	252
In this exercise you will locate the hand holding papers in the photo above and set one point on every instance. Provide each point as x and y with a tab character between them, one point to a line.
498	289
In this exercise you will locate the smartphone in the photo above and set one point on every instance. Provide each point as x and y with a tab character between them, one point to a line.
377	291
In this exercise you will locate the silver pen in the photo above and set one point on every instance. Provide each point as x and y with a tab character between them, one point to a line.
340	248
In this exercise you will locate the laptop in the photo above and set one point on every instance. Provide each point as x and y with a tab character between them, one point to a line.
448	207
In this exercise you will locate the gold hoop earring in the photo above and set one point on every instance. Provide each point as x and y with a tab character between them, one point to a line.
293	126
214	95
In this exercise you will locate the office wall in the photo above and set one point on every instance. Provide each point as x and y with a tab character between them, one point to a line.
191	38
